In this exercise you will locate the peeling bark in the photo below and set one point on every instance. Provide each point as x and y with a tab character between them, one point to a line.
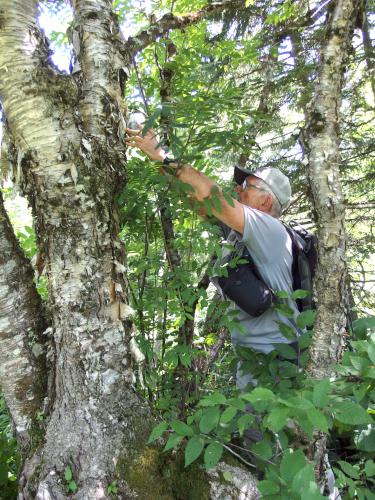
321	144
22	344
321	141
96	35
71	182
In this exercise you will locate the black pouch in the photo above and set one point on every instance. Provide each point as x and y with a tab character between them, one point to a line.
244	286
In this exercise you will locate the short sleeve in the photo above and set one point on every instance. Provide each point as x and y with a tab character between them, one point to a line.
263	235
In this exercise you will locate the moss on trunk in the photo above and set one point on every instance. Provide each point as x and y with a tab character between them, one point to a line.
154	475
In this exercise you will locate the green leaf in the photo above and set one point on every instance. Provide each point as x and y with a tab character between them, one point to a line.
361	392
193	449
181	428
259	394
320	393
306	318
68	475
216	203
318	419
227	476
72	486
371	352
284	310
304	481
291	463
228	199
173	441
236	403
305	340
228	415
185	357
286	330
244	422
369	494
359	363
281	294
300	294
190	419
370	468
349	469
209	420
157	432
262	449
150	121
268	487
362	325
213	454
351	413
304	423
216	398
297	402
207	205
286	351
277	419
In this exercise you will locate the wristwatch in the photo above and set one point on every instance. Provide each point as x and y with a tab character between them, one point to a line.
168	160
172	170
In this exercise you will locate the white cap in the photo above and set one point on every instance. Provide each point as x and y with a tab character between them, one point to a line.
273	177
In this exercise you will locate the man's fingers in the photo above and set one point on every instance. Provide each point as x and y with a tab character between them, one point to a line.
131	131
133	140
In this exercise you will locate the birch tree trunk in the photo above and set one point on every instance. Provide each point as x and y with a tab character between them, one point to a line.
321	143
71	173
22	343
321	140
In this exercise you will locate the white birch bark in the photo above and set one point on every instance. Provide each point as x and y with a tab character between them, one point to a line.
97	39
95	408
321	141
22	344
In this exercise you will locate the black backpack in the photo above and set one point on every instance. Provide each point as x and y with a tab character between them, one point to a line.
244	285
305	257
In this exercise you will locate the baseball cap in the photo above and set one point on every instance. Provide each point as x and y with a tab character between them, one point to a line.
273	177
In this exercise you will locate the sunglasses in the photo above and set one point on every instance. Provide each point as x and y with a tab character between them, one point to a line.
245	186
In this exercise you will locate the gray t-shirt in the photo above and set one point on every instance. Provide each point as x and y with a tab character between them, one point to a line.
271	249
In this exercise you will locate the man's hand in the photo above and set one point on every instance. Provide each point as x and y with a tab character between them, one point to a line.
232	216
148	144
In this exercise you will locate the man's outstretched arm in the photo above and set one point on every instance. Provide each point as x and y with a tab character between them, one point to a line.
202	185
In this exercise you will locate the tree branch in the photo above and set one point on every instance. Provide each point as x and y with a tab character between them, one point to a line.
170	21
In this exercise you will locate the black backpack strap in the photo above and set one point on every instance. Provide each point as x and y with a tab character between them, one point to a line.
297	247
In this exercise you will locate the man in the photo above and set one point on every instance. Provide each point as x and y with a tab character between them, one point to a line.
254	222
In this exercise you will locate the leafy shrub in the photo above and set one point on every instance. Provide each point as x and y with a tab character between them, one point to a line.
286	409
